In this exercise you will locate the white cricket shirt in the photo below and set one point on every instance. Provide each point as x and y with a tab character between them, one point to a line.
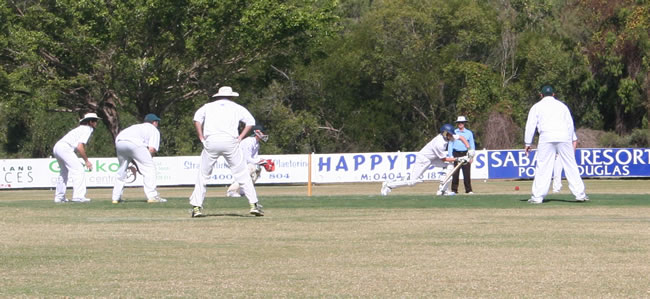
436	148
552	119
221	119
80	134
145	134
250	149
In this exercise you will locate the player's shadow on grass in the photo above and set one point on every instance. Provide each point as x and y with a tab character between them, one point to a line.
562	200
226	215
557	200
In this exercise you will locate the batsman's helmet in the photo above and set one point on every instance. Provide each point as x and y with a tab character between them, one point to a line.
258	131
447	128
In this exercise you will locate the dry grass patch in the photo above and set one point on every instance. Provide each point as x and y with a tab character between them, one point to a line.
141	250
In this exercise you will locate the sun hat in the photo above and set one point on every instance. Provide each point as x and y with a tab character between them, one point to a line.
89	116
461	119
225	91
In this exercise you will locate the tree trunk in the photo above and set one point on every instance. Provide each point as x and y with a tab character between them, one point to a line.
647	94
108	113
619	122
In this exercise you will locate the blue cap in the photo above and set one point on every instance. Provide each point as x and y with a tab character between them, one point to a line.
547	90
151	118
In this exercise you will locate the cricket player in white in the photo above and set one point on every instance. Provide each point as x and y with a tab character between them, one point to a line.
138	143
216	124
552	119
433	154
557	168
70	168
250	148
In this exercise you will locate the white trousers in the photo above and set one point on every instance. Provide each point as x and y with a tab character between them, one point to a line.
127	151
254	170
557	175
421	165
71	170
544	170
212	149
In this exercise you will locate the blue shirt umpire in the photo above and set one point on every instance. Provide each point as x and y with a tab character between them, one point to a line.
458	149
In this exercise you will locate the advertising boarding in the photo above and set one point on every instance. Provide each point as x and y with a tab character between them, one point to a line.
171	171
379	167
331	168
592	162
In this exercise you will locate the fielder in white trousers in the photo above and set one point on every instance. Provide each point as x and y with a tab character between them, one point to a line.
70	167
213	147
71	170
127	150
545	155
138	143
553	120
217	126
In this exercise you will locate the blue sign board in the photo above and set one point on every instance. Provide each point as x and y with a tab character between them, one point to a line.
593	162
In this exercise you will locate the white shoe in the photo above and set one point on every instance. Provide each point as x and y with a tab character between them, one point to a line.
385	189
450	193
118	201
439	193
80	200
583	199
61	200
535	202
256	209
156	199
232	194
470	192
196	212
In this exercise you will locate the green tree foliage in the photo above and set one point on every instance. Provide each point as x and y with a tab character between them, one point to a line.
320	75
137	57
381	85
619	51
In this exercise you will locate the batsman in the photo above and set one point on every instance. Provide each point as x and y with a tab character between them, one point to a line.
250	148
433	154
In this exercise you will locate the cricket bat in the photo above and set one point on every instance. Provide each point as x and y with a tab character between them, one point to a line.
450	174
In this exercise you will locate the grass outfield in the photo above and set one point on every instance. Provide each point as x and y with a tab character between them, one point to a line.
345	241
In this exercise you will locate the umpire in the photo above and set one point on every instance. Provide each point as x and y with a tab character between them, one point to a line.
458	149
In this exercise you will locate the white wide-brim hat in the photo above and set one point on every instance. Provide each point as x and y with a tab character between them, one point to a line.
225	91
89	116
461	119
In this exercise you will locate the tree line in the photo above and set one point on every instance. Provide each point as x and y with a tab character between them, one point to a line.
321	75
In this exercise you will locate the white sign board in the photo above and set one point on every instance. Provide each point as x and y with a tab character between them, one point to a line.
289	169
